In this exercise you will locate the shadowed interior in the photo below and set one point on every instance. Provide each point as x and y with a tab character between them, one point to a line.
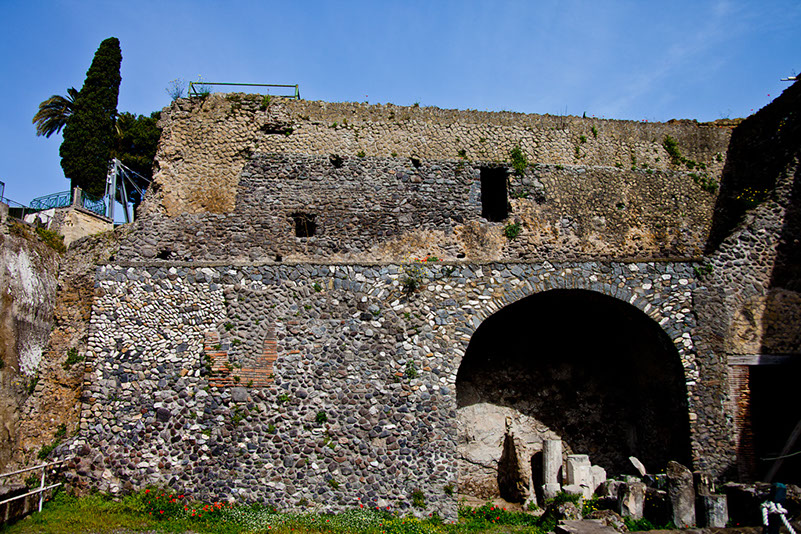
595	370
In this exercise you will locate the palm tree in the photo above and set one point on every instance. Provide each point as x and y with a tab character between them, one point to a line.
54	112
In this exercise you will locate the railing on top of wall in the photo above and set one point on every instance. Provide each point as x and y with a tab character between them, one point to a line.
204	88
64	199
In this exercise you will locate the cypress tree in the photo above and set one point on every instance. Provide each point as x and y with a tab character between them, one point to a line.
89	134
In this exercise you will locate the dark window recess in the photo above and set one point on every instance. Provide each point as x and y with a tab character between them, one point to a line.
304	224
494	202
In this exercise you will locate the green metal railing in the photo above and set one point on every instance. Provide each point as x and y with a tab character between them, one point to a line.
204	88
64	199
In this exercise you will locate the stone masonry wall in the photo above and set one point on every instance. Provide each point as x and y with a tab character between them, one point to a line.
338	415
389	209
207	142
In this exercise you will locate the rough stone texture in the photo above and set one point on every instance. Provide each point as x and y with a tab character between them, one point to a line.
681	491
205	143
714	510
55	400
748	302
28	287
146	355
482	430
632	500
189	308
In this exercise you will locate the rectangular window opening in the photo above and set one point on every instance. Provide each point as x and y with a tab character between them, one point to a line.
305	225
494	201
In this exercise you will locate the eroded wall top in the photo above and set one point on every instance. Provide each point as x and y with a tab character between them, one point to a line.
375	176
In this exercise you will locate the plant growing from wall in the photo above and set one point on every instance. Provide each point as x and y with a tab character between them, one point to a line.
519	161
511	230
73	357
418	498
410	371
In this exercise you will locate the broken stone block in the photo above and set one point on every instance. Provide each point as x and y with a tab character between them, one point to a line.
597	476
578	470
632	500
714	510
681	492
638	465
610	519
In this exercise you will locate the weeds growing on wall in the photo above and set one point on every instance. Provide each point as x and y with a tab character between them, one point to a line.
511	230
519	161
51	239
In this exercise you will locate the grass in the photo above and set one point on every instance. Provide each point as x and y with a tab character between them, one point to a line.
162	511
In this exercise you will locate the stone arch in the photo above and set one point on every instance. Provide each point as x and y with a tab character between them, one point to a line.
597	371
679	334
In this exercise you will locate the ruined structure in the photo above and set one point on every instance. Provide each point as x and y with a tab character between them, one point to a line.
323	302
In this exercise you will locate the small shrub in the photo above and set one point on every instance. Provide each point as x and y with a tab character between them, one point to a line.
703	270
333	483
176	88
563	497
45	451
519	161
582	139
361	154
317	287
73	357
228	326
321	418
31	385
462	153
594	131
411	370
265	103
283	398
33	481
418	499
51	239
448	489
511	230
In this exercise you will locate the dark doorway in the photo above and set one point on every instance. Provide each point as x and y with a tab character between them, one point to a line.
595	370
775	413
494	201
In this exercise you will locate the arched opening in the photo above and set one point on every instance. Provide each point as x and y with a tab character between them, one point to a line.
575	365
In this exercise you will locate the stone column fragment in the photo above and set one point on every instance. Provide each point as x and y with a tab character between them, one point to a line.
551	466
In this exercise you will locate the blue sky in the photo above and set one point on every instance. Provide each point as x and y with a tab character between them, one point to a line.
639	60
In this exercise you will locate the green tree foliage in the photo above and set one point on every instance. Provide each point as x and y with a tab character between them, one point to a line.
54	112
89	135
136	142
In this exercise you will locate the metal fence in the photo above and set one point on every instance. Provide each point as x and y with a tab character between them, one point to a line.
41	489
204	88
65	199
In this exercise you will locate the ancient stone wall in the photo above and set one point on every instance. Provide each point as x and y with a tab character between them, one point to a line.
750	301
360	399
270	329
28	271
206	143
388	209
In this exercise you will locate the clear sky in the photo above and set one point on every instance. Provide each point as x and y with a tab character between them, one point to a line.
622	59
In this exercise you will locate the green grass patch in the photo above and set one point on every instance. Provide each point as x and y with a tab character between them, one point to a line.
165	511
